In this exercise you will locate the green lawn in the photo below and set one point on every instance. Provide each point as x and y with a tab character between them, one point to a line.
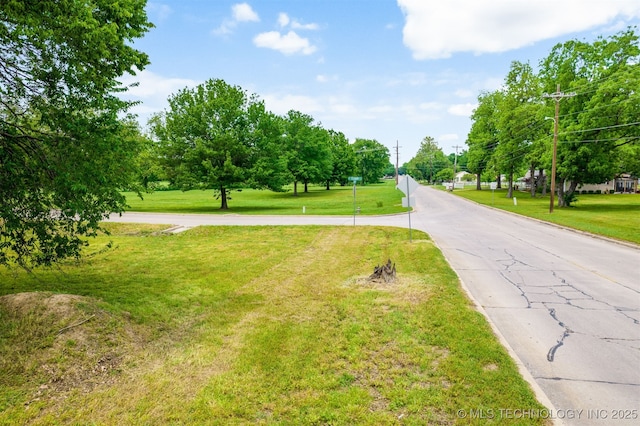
615	216
372	199
243	325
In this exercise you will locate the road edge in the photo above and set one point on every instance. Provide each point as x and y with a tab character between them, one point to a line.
540	395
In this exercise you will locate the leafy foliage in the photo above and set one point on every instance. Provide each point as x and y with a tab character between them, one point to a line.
373	159
429	161
603	114
213	136
344	158
64	151
599	135
306	149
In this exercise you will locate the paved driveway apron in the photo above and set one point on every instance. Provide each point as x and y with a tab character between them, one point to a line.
567	304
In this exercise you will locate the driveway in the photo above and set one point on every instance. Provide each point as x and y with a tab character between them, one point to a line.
566	304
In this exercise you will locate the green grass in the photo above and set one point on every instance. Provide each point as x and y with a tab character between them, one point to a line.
372	199
615	216
239	325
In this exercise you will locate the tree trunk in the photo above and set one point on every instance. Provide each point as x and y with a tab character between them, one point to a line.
386	273
564	195
498	182
306	187
532	180
295	188
510	190
223	198
542	182
560	192
328	185
478	184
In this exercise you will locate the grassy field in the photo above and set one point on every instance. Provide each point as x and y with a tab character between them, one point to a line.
615	216
243	325
372	199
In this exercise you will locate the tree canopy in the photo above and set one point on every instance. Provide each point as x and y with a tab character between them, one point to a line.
213	136
429	161
599	135
65	152
306	149
372	159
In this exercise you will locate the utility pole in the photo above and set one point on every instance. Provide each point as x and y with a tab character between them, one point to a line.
455	165
556	97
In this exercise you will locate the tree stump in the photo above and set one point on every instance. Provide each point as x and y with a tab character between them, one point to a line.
385	272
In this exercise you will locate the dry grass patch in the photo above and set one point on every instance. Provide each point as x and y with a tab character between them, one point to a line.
61	343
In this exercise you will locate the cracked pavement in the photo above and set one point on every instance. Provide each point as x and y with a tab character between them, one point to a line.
566	305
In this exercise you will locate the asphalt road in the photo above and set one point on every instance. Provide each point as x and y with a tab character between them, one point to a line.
566	304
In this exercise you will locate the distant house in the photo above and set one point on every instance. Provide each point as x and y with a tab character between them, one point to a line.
460	177
625	183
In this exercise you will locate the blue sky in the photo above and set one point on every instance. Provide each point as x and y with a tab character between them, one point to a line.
391	70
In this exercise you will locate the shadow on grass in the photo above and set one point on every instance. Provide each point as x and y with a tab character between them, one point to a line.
214	210
604	208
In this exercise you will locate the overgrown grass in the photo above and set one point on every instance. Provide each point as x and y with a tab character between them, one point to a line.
613	215
371	199
271	325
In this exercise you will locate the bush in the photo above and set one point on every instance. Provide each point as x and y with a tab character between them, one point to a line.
570	197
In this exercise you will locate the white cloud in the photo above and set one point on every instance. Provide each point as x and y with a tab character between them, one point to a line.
281	104
465	93
448	137
152	90
288	43
160	11
462	110
438	29
430	106
299	26
242	12
323	78
283	19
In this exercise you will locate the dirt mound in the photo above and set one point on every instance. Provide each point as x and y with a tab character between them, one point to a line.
57	343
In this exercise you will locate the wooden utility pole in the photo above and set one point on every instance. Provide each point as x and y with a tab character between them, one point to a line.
556	97
455	165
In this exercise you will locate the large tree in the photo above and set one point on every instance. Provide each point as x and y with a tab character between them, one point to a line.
602	116
210	135
518	124
373	158
306	149
64	151
483	136
428	161
343	157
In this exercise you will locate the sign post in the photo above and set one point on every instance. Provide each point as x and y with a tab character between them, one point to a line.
354	179
407	185
493	186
